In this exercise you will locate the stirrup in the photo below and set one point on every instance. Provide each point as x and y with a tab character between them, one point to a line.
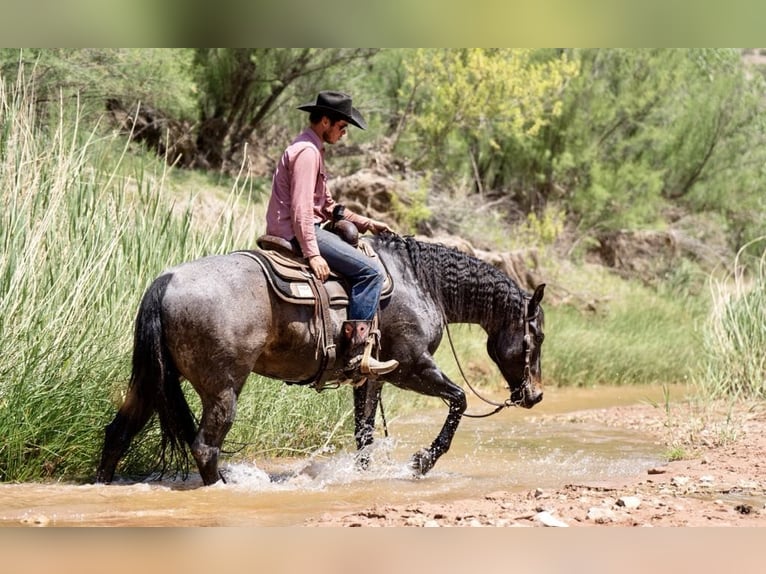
372	366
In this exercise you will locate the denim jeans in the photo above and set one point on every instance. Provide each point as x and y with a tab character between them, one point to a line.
364	274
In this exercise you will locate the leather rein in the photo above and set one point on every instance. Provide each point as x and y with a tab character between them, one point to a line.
527	369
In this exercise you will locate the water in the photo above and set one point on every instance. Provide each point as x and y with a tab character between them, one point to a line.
509	451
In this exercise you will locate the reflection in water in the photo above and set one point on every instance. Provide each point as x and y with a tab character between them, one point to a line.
509	451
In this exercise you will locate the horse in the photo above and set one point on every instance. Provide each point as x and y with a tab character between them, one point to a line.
216	319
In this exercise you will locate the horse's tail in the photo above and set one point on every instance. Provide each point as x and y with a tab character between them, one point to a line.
154	387
156	380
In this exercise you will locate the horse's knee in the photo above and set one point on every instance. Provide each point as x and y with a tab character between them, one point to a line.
458	402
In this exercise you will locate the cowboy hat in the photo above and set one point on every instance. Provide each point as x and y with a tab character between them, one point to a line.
338	103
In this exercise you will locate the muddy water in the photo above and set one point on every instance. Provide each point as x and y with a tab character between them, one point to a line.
508	451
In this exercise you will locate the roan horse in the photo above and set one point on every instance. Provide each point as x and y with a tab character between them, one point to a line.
215	320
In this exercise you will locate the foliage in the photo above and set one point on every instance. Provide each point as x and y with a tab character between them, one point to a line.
410	208
471	102
645	128
160	77
632	335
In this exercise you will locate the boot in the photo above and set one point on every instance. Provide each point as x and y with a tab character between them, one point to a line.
361	339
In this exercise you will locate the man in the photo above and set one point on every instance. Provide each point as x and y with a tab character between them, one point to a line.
300	202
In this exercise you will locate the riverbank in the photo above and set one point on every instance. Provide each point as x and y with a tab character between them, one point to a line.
719	481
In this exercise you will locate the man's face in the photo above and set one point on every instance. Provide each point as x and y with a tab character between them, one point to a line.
333	132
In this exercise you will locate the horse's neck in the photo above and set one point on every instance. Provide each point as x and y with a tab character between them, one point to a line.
471	301
466	289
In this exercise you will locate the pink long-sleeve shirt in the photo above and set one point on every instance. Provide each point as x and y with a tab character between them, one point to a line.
299	194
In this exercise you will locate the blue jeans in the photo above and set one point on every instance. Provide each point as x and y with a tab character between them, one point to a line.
364	274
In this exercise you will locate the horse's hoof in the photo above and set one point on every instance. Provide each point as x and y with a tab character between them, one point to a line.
363	461
422	461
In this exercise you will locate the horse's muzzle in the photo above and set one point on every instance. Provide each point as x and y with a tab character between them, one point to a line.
527	395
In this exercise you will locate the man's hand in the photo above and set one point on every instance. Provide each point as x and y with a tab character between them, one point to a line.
319	267
378	226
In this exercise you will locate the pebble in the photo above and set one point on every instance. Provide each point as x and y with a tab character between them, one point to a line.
679	480
36	520
547	519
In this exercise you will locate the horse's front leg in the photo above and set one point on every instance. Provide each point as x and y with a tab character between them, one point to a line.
433	382
366	399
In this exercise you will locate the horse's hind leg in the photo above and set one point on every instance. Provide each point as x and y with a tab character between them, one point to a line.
130	419
218	412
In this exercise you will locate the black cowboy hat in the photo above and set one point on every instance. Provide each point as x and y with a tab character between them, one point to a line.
338	103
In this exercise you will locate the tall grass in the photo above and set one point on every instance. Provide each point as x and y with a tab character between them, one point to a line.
633	335
81	237
735	334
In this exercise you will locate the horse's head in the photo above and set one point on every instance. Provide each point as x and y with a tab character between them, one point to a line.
516	350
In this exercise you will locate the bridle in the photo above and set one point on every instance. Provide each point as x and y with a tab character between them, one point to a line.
526	381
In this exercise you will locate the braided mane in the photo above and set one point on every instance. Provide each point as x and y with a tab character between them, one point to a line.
468	289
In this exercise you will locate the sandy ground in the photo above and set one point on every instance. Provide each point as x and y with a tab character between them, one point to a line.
720	480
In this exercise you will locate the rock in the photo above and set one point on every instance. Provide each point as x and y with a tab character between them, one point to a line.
416	520
629	502
600	515
547	519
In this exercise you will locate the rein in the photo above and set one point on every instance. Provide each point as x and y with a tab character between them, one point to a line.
527	370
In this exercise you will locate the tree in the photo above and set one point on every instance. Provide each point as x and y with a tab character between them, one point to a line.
239	88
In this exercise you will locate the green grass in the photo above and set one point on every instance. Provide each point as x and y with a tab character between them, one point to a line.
641	338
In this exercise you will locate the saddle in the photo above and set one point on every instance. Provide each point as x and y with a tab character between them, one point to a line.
291	279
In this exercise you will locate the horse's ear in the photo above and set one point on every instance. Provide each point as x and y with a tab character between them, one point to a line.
534	302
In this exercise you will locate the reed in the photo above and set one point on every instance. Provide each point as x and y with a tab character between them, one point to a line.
83	232
735	334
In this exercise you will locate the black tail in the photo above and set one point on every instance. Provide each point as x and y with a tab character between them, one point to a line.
154	386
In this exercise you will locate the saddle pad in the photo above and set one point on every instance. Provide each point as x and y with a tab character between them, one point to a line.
290	278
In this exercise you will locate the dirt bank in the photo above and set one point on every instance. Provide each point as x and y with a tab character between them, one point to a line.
719	481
